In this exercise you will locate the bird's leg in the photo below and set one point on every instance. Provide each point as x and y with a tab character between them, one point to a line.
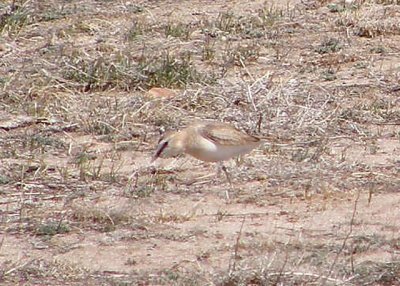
228	177
223	168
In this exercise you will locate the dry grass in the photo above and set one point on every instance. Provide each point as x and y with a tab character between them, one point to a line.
318	80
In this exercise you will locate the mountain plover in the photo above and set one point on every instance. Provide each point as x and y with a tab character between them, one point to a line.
206	141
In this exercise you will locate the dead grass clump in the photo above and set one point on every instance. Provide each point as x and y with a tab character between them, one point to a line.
173	113
13	18
329	46
249	26
92	167
377	273
85	163
373	28
168	276
170	71
329	74
52	228
353	115
17	14
248	275
157	112
164	216
40	271
102	218
52	14
178	30
322	2
240	55
97	125
4	179
137	29
140	28
376	111
252	26
336	8
40	141
98	74
387	2
372	20
124	72
363	243
208	52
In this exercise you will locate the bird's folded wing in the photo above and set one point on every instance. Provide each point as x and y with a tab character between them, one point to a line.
226	135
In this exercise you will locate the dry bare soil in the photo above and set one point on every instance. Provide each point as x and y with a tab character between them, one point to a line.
317	204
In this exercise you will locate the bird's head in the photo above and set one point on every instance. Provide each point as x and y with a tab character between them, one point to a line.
169	145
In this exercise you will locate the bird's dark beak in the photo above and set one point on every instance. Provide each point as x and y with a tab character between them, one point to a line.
159	150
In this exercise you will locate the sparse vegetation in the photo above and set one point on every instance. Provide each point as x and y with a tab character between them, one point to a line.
52	228
136	30
178	30
329	46
13	18
123	72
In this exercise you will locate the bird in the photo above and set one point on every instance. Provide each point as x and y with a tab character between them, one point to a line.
208	142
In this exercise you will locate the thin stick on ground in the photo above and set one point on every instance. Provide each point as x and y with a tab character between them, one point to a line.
232	267
325	278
